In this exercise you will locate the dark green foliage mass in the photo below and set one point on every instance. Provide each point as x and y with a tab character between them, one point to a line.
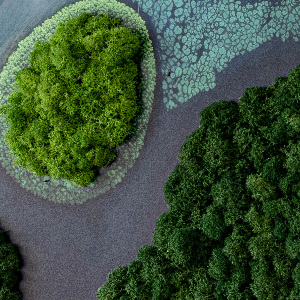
77	100
233	228
10	264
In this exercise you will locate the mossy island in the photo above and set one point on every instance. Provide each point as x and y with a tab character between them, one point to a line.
78	99
232	230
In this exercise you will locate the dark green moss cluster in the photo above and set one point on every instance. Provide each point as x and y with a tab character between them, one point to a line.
77	100
10	264
232	231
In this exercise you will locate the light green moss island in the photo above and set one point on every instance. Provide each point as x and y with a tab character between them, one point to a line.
78	126
76	101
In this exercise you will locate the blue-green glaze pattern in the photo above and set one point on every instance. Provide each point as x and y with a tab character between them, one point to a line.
198	38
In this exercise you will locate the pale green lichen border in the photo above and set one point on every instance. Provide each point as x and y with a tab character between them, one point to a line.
63	191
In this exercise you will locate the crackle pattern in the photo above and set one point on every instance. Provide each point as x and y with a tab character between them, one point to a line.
198	38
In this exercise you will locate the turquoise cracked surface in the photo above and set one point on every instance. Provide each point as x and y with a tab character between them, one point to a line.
212	37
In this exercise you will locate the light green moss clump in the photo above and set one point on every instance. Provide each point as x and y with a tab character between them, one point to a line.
62	190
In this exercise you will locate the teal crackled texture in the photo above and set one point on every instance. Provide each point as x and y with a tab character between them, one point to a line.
199	37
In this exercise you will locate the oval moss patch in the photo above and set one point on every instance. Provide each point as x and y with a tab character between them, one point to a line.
64	191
